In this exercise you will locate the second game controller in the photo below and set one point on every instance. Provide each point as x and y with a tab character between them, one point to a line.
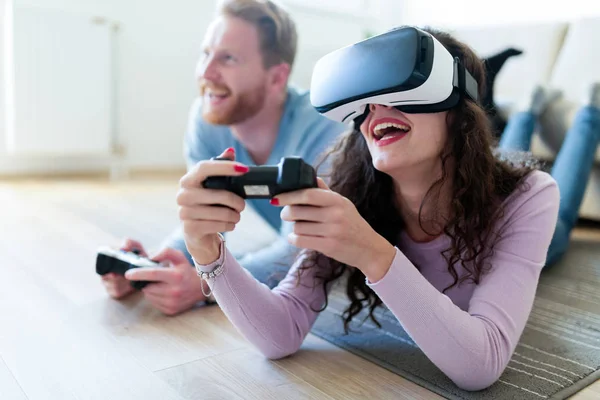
119	261
267	181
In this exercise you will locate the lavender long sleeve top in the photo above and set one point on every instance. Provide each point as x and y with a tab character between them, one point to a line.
469	332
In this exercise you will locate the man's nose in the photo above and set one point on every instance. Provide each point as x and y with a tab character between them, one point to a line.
207	69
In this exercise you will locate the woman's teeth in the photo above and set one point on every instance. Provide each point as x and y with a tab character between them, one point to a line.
385	128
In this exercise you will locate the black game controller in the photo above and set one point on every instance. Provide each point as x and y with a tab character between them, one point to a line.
267	181
119	261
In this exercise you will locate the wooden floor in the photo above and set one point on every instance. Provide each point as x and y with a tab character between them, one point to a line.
62	338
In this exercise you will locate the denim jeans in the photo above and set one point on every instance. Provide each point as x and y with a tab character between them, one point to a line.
571	169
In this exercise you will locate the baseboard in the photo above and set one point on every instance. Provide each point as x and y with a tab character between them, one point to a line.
167	172
115	166
133	173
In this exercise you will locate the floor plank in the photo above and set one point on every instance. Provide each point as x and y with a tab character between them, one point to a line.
9	388
242	374
63	338
344	375
159	342
57	354
591	392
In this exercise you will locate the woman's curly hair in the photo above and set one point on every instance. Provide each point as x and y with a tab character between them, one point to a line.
480	182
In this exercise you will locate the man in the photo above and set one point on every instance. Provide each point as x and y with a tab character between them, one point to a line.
245	104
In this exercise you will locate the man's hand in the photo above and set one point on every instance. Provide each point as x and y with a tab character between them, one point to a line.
175	288
116	285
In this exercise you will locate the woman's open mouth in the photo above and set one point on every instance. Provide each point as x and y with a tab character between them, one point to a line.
388	132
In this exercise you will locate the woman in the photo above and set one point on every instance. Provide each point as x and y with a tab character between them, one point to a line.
574	161
448	237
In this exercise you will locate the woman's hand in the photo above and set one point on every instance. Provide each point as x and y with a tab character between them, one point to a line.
329	223
205	212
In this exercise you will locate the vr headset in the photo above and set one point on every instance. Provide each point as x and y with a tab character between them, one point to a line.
406	68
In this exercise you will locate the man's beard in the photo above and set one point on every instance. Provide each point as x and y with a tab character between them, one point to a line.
239	108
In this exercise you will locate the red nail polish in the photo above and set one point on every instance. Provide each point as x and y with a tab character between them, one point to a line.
241	168
274	201
230	150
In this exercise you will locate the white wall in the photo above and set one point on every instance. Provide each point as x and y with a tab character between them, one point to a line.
159	42
158	45
2	80
460	13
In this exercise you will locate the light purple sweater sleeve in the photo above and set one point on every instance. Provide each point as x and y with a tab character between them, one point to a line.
471	347
276	321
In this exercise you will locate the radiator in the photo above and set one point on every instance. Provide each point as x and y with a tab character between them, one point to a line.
62	91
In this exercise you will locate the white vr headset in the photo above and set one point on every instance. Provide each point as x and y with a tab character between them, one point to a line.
406	68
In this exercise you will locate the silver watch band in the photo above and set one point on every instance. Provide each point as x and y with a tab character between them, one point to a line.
214	269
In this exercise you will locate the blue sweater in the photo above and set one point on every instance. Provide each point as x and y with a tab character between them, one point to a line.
303	132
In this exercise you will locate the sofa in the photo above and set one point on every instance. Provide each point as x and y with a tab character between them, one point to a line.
563	55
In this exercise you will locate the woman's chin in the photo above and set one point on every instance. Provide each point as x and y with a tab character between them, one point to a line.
386	164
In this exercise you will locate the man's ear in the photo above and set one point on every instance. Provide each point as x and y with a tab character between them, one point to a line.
279	75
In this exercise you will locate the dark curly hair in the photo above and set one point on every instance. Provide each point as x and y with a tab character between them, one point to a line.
481	182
